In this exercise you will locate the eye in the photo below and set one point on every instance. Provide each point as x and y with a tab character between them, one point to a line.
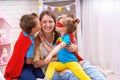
51	21
43	22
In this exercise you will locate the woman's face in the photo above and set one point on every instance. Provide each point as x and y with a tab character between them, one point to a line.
47	24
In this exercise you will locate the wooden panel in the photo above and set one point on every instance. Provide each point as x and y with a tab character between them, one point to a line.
61	4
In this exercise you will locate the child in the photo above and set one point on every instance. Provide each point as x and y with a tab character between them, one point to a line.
67	60
20	64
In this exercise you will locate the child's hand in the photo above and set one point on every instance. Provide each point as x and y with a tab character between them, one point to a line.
48	58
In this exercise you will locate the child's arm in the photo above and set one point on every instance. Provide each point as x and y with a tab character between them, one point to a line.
55	51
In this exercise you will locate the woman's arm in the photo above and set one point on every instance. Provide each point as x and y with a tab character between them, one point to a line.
39	63
29	60
72	48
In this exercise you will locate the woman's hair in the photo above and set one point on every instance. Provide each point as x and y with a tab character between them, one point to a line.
51	14
27	22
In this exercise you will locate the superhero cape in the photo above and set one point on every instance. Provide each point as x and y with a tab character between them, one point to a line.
16	62
72	39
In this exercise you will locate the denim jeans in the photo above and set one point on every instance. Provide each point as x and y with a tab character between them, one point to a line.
67	75
90	70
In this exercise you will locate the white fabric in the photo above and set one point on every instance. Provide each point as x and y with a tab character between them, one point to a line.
1	76
100	39
44	51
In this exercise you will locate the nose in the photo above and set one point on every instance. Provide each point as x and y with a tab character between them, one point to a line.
47	24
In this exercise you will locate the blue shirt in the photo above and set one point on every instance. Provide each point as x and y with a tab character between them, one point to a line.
30	51
64	55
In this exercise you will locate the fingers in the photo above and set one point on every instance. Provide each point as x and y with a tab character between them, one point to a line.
46	61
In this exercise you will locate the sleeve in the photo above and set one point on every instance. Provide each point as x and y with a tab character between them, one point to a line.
66	39
30	52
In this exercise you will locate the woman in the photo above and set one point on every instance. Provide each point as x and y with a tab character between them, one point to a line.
48	23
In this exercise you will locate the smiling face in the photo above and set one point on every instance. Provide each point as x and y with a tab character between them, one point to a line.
47	24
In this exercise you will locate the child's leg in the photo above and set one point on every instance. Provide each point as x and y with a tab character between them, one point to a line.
77	70
58	66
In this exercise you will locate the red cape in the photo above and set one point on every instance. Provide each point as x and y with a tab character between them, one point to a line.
16	62
72	39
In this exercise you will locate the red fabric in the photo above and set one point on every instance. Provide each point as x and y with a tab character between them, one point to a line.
59	40
60	25
16	62
72	39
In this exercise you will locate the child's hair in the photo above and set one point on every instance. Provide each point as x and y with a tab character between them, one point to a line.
70	23
65	15
27	22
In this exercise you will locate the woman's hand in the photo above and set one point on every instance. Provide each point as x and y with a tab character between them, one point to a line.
72	48
55	58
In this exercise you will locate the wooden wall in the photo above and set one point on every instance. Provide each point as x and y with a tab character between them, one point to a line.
61	4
